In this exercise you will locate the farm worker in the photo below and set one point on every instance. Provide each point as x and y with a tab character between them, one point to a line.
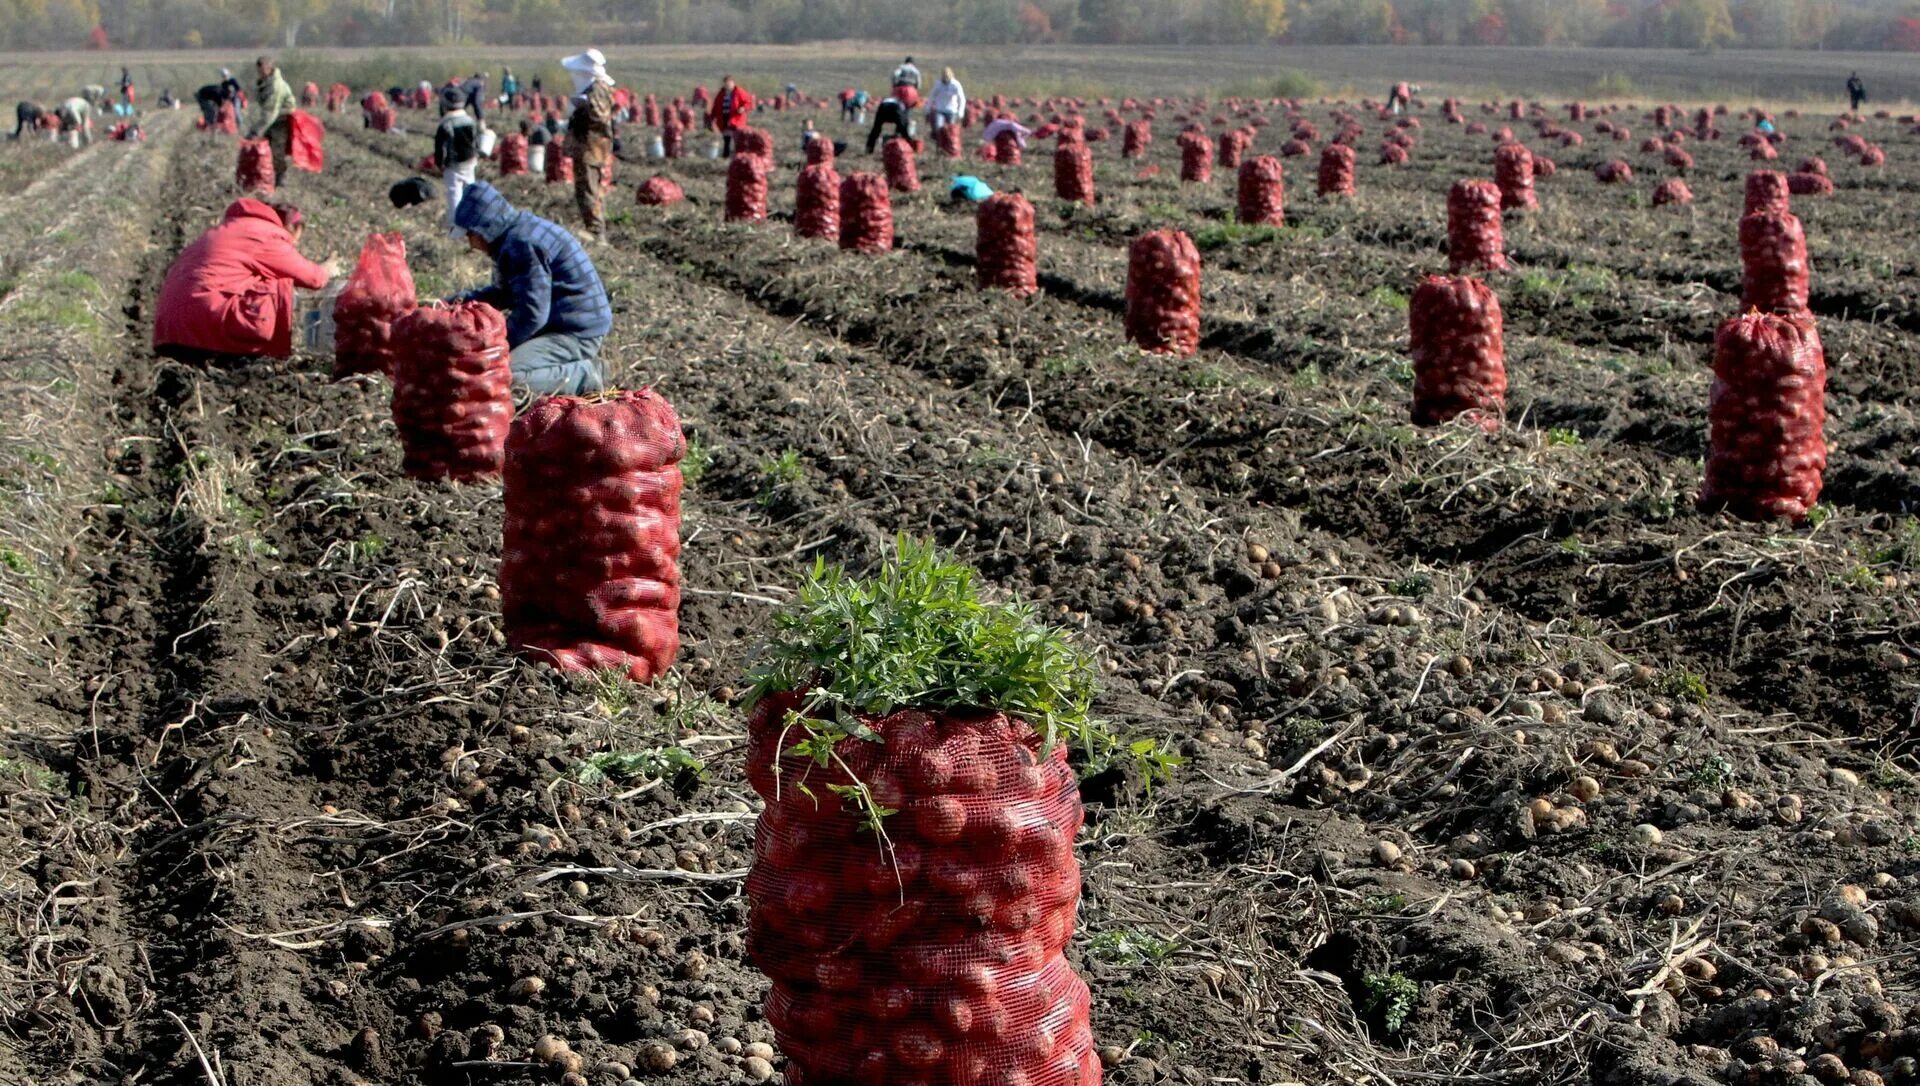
792	93
208	98
273	115
231	290
509	85
1005	123
968	187
167	100
95	94
537	140
891	112
76	121
807	133
456	149
230	88
846	105
557	309
1856	91
906	83
729	113
860	100
126	85
1400	97
1765	127
590	135
476	91
948	102
26	117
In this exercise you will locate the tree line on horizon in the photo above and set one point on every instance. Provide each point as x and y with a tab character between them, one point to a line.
1678	24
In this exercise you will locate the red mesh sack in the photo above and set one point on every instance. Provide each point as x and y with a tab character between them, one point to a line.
1196	158
1336	170
1678	158
1295	148
752	141
1004	246
227	121
746	189
1073	171
1810	184
511	155
306	143
1763	152
866	214
1872	155
1613	172
1812	164
947	139
1672	191
452	390
1576	111
338	96
650	112
820	152
253	170
1459	355
903	174
1543	166
379	291
1572	139
1232	147
939	959
1474	238
658	191
590	561
1773	258
1261	192
1006	149
559	164
1653	145
816	205
606	174
1765	450
1392	154
1163	293
1476	128
673	140
1136	138
1663	117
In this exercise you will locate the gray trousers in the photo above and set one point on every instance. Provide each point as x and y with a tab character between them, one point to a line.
558	364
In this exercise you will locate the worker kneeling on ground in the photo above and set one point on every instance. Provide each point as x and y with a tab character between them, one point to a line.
231	291
557	310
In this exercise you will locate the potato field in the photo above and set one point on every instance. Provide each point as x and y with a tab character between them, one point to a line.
1470	751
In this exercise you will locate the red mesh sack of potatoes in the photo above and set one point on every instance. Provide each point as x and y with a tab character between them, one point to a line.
379	291
1766	451
673	141
227	121
1295	149
1232	148
1678	158
746	189
1474	238
1543	166
1652	146
1459	355
938	958
559	164
1006	149
1763	152
1336	170
816	204
1773	259
1135	139
866	214
820	152
1163	293
1613	172
658	191
511	155
753	141
1261	194
1073	171
1809	184
253	169
903	174
589	565
452	390
1812	164
1196	158
1872	155
650	112
1672	191
947	140
1392	154
1004	247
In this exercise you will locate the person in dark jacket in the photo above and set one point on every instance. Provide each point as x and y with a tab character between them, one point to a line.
26	118
732	107
1856	91
456	148
476	91
557	308
891	112
208	99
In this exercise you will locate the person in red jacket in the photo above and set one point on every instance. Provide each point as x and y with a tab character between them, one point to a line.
230	292
732	108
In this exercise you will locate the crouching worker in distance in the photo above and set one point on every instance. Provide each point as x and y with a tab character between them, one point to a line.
557	310
231	291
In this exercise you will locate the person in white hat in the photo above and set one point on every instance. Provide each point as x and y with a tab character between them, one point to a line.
590	135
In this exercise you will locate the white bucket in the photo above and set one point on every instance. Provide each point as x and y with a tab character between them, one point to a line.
316	316
656	148
537	158
487	139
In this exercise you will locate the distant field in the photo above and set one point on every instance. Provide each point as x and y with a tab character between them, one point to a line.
1608	73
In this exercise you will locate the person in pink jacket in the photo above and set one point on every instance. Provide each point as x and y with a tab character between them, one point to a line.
230	292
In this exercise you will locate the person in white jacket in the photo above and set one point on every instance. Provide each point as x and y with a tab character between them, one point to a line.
947	103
